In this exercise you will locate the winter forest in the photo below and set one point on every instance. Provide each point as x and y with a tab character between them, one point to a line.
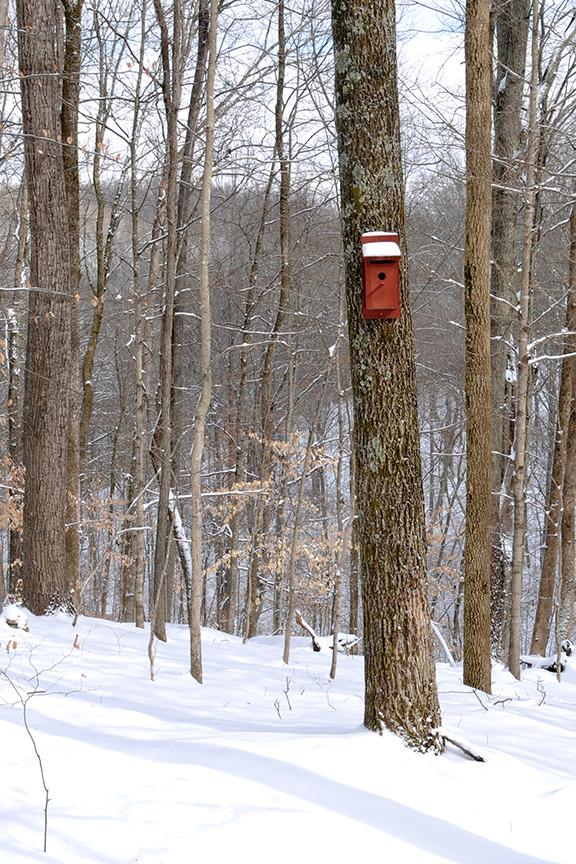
205	432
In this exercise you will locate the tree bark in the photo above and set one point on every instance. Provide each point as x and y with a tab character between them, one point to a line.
477	557
69	125
399	670
512	20
194	619
171	88
40	51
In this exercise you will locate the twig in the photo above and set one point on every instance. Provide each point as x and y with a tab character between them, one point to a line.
478	697
475	756
286	692
503	701
24	703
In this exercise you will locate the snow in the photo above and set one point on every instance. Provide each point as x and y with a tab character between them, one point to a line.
379	234
265	762
15	616
381	250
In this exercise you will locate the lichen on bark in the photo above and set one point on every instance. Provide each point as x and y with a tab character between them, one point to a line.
400	680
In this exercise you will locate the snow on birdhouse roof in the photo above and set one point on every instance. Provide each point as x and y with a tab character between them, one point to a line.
381	250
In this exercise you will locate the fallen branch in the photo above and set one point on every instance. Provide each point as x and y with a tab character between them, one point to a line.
465	748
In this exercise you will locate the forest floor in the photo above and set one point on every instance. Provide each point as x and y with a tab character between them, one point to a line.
265	762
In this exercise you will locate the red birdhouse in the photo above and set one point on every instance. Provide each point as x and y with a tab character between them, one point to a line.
380	275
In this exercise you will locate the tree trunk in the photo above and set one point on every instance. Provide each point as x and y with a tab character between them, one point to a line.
14	394
343	539
185	210
399	670
567	575
40	50
69	125
560	506
477	558
195	612
511	38
291	574
257	586
139	443
554	506
171	87
520	439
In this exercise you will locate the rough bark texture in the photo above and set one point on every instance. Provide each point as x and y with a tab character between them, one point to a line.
69	121
477	557
512	18
40	50
399	671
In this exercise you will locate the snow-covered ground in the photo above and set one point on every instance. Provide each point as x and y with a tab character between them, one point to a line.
265	762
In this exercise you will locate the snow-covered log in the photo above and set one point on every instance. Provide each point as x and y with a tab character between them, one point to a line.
549	664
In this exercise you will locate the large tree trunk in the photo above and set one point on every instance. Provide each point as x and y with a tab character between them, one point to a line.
399	670
511	38
477	654
40	49
69	121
